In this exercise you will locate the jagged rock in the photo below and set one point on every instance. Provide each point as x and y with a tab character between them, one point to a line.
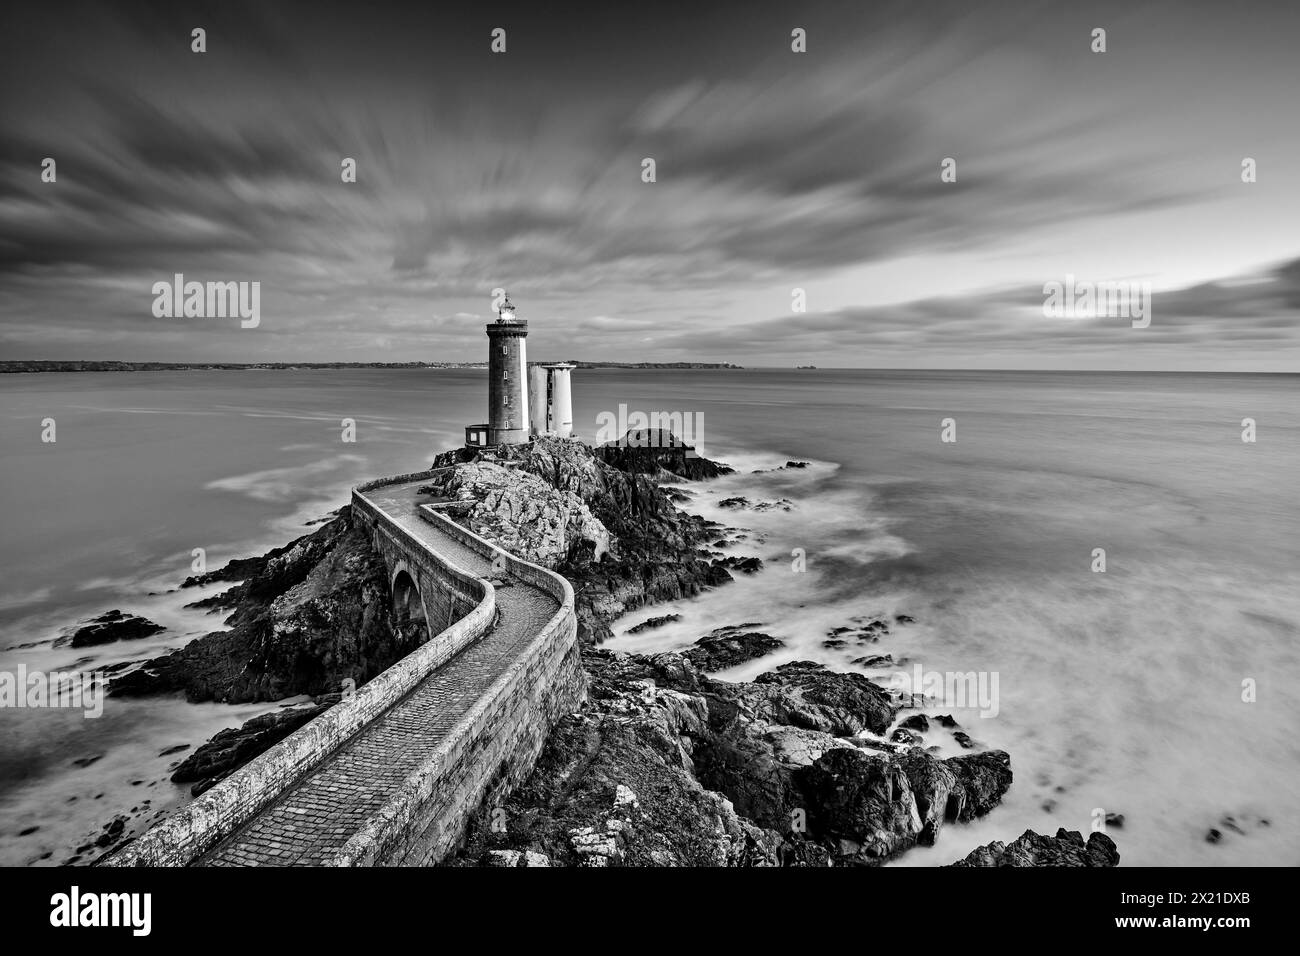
984	778
114	626
936	790
876	660
1067	848
917	722
861	804
316	614
743	565
522	513
806	694
658	452
230	749
744	504
666	766
653	623
656	551
728	646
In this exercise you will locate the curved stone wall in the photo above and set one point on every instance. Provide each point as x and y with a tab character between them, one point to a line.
492	747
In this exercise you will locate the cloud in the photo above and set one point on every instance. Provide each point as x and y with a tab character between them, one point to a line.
523	171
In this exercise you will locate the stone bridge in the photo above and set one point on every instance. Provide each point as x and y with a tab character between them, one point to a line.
392	774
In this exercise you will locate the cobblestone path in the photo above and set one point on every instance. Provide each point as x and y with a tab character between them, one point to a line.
313	819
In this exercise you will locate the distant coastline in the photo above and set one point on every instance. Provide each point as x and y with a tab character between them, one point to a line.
107	366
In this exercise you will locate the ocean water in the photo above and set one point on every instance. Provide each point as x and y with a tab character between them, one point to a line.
1118	691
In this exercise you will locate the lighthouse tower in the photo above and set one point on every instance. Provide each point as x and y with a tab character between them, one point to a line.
508	418
524	402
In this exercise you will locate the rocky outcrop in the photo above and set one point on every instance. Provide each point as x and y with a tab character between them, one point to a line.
661	454
663	765
232	748
315	615
1067	848
114	626
767	773
728	646
655	552
529	517
652	623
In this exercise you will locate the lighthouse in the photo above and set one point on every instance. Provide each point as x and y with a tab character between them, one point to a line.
524	401
508	420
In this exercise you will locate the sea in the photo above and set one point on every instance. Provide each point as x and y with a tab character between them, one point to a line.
1101	553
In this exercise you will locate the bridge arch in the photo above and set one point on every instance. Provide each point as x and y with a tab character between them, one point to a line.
410	618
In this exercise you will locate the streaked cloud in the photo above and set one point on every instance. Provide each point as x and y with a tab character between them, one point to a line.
775	171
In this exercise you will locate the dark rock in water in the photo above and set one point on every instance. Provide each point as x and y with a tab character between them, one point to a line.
29	831
917	722
112	832
947	720
741	503
743	565
935	789
904	619
963	738
875	660
657	451
317	613
1067	848
727	647
174	750
788	464
86	761
1115	820
232	748
737	774
859	804
654	622
805	694
1213	835
676	495
984	778
114	626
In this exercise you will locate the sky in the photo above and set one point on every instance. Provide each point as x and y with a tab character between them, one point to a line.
775	171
